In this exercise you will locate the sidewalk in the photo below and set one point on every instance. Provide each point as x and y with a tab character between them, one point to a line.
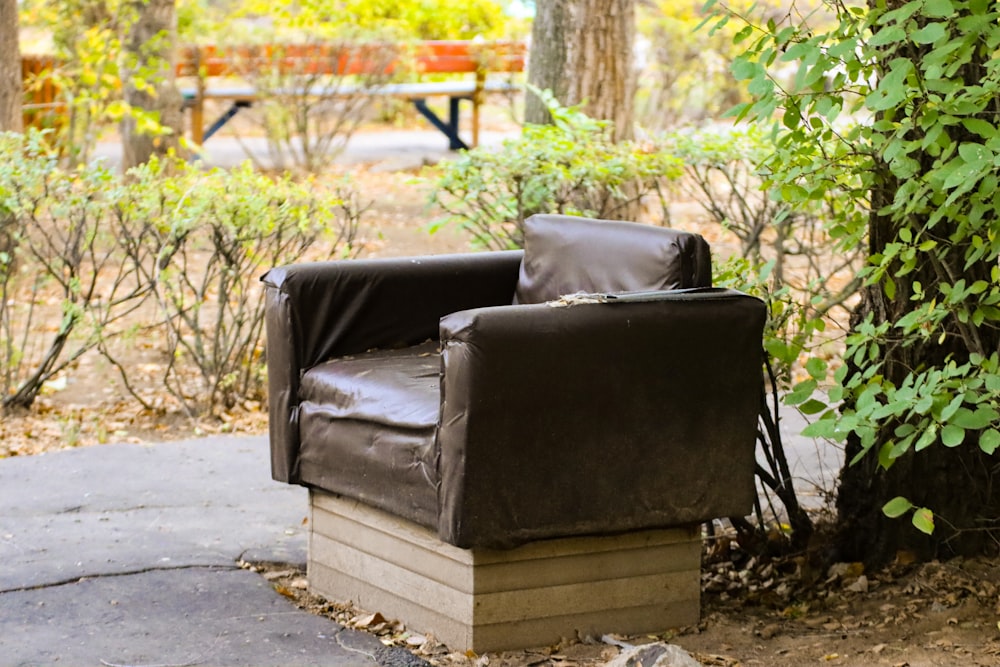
386	150
126	555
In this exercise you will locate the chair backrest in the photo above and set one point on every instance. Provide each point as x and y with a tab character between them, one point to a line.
565	255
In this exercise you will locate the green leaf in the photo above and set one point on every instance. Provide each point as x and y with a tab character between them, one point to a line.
780	350
900	14
929	34
979	126
981	418
971	152
970	171
825	428
812	407
938	8
887	36
816	367
952	408
886	455
952	436
745	69
897	507
989	441
927	438
923	520
801	392
745	32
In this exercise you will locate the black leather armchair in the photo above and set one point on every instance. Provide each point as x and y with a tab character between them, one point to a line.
469	394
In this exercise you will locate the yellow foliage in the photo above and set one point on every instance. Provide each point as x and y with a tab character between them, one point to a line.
686	75
430	19
400	19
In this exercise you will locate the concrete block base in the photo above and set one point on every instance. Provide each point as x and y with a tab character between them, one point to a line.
490	600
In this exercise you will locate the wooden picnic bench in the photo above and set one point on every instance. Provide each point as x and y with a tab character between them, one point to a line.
227	74
222	74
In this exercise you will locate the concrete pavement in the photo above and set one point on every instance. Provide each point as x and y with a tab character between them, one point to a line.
127	555
383	150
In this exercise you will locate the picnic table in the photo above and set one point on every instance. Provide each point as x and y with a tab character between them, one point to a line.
232	75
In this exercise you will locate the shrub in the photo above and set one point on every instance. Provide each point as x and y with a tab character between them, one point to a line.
63	284
723	173
168	252
201	241
569	167
787	258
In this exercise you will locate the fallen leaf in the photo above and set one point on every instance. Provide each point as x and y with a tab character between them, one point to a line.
769	631
369	620
860	585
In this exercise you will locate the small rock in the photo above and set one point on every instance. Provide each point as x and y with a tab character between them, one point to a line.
658	654
395	656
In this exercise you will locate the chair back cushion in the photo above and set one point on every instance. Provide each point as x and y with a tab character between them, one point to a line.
565	255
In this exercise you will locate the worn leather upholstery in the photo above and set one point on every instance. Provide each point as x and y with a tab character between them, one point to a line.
318	311
369	422
594	418
565	254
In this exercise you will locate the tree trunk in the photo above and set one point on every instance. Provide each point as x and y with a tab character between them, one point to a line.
11	86
150	54
955	482
581	50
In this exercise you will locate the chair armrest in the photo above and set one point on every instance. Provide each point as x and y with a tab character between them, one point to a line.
598	418
317	311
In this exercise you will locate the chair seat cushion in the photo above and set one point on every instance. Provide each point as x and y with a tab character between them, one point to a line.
390	387
367	426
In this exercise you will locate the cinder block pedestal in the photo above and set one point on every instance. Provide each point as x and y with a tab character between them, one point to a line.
490	600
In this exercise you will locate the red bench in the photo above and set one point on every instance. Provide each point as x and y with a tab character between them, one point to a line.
217	73
42	106
207	73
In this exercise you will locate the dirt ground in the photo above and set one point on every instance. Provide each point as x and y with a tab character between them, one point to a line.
772	614
766	615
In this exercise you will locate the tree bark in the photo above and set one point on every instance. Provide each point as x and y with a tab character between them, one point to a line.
957	483
581	50
150	54
11	86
